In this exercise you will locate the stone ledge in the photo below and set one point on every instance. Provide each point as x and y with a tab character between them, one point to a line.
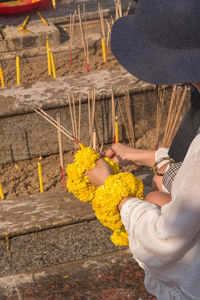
35	37
53	93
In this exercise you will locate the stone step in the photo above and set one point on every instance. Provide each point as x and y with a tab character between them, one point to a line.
25	135
49	229
112	276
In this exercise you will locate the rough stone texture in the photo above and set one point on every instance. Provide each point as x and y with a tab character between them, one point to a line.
14	40
24	134
112	276
44	230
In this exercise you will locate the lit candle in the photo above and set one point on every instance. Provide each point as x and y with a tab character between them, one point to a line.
53	65
17	69
54	4
116	130
40	175
1	77
1	193
48	55
104	50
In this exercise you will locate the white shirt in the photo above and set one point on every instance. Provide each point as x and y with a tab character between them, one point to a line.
166	241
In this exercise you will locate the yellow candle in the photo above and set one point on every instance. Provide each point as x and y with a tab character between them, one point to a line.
17	69
1	193
104	50
40	177
42	18
54	3
25	22
48	56
116	130
53	65
1	77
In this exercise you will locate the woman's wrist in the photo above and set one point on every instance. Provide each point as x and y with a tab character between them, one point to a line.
123	202
142	157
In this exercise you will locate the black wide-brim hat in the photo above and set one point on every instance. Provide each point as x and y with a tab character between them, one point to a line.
160	43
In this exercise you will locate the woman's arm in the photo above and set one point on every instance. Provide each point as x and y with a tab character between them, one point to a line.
159	236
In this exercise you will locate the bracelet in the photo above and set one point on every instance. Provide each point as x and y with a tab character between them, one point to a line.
155	166
106	201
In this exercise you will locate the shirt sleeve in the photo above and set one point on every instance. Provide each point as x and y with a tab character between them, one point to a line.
160	153
157	235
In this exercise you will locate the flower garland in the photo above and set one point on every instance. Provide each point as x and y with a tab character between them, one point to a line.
77	182
106	201
105	198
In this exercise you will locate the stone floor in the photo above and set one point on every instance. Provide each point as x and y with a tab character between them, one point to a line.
113	276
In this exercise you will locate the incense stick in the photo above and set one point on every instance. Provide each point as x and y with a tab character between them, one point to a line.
71	115
129	116
72	22
74	115
93	112
94	139
89	112
53	122
60	142
82	37
128	8
113	114
79	119
124	122
87	43
61	153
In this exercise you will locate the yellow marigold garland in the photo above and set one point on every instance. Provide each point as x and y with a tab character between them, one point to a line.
77	182
105	198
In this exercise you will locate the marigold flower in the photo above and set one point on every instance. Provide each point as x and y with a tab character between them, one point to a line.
105	198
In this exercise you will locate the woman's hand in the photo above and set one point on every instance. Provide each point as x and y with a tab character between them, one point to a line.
125	155
120	153
99	173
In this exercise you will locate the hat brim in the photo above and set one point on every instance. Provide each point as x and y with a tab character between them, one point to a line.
151	62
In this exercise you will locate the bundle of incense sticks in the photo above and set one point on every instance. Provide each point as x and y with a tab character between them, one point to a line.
75	129
53	122
159	111
176	104
72	24
86	54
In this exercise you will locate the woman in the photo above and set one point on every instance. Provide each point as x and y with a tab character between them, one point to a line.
161	44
